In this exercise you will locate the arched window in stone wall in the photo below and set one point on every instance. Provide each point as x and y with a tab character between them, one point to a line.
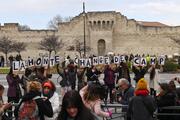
112	22
90	23
99	23
108	22
103	24
101	47
94	22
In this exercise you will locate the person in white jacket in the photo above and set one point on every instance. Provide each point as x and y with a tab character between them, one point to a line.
49	91
153	80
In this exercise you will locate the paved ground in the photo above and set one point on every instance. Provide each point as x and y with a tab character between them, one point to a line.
163	77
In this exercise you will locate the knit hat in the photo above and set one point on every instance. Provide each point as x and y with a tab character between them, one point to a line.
142	84
47	84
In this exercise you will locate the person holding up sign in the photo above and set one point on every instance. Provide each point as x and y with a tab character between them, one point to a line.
139	72
14	92
153	79
92	74
109	80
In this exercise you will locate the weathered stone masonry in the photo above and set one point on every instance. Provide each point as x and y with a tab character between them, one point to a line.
105	32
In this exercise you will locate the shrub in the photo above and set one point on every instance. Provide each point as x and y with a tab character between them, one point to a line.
170	66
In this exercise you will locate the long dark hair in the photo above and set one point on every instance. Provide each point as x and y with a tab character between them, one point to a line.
94	92
73	99
152	73
10	71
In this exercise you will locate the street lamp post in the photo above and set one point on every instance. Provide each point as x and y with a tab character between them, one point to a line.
84	18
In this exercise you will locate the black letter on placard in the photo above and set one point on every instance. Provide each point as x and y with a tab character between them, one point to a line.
38	62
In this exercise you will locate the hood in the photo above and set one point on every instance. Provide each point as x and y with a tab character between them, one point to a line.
31	95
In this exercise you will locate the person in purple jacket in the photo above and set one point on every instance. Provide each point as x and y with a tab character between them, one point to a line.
109	80
14	91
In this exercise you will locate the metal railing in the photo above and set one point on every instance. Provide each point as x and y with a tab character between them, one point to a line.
118	114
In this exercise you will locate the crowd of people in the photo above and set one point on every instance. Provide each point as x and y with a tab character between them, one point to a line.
83	92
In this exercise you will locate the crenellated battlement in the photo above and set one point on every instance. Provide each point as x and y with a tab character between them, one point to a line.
9	26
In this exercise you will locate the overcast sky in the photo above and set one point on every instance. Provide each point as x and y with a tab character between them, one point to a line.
37	13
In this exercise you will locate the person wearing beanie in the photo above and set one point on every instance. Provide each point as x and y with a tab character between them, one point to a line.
49	91
141	88
142	105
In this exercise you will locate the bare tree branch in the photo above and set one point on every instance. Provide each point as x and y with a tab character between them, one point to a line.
19	46
51	43
24	27
53	24
6	45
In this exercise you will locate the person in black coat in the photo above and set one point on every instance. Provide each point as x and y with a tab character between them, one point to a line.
142	105
165	98
92	74
139	72
123	72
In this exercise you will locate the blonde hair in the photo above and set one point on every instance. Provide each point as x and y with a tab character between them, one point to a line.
34	86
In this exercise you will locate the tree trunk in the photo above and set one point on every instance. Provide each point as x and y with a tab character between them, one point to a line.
48	69
80	54
6	63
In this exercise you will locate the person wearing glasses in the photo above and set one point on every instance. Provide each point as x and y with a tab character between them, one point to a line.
126	92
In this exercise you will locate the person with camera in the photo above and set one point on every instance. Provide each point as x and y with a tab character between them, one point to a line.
92	96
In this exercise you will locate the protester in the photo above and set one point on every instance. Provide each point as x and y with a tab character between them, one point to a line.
139	72
80	77
41	74
92	74
153	80
123	72
49	91
1	61
14	92
32	106
92	96
109	80
64	83
73	108
72	75
25	78
3	106
142	105
127	92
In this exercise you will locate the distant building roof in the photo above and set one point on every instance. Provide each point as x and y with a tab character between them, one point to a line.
152	24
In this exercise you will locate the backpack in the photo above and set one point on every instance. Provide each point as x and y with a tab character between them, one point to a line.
29	110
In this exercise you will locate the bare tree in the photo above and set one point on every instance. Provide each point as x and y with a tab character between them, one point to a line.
79	47
50	44
24	27
19	46
6	46
53	24
67	19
